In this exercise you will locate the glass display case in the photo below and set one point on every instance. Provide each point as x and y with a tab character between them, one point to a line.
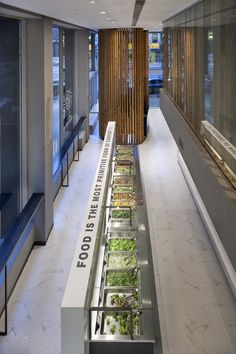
124	307
121	306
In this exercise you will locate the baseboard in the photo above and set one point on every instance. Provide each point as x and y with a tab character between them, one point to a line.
219	248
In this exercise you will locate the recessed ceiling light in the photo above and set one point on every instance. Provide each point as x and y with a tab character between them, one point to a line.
92	1
108	18
102	12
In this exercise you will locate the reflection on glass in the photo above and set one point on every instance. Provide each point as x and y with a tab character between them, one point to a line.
9	123
56	97
200	75
220	72
67	67
93	73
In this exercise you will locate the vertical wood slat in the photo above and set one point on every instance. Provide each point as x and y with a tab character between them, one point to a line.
123	56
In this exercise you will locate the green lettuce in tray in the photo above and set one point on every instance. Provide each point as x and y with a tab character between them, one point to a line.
121	244
121	278
120	214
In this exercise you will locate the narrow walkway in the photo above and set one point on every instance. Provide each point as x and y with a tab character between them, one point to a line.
197	310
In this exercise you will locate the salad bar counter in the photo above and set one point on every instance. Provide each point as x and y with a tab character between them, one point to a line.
120	309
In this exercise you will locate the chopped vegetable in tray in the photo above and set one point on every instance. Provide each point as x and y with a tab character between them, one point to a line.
124	189
122	260
121	278
124	163
125	300
124	169
121	214
119	203
121	244
124	181
126	157
130	196
119	323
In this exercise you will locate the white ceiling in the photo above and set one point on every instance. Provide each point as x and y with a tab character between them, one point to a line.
119	13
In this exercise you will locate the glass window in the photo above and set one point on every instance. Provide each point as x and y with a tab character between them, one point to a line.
93	52
67	69
93	72
63	73
155	67
56	97
220	70
10	123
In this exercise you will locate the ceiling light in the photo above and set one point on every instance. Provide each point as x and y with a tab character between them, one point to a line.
108	19
92	1
102	12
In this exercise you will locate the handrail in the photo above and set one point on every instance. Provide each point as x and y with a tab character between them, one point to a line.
65	148
11	239
13	235
75	132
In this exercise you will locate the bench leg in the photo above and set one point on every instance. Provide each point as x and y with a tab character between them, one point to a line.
4	333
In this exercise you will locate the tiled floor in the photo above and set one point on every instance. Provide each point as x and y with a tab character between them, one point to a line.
197	310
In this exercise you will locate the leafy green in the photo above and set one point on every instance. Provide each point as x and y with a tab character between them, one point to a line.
121	278
124	244
120	214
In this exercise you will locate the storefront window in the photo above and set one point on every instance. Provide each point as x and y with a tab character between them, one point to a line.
10	123
93	72
155	66
63	71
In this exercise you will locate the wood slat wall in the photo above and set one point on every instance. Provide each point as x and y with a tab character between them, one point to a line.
123	82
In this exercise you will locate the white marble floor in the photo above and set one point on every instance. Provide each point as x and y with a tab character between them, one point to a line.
197	310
